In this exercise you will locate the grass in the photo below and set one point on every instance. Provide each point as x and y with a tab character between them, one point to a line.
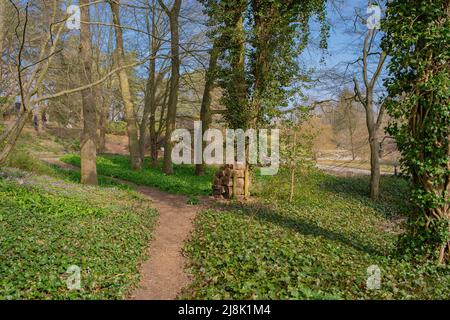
48	224
183	181
318	247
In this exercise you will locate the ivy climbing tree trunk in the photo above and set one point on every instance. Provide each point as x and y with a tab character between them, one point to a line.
130	118
419	89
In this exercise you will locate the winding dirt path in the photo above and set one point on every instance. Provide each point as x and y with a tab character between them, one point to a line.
163	275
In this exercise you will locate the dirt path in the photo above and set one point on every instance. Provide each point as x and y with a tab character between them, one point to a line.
340	170
163	275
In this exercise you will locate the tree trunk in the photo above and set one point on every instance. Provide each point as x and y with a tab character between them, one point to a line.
88	138
374	166
291	195
152	127
145	116
205	110
293	166
102	123
174	83
150	94
130	118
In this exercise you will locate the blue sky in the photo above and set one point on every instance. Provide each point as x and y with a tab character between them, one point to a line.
344	46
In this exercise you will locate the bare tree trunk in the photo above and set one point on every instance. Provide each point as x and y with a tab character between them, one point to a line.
152	127
350	131
294	146
102	100
291	195
130	118
173	15
145	120
89	135
104	108
374	166
158	133
150	94
373	122
205	110
102	123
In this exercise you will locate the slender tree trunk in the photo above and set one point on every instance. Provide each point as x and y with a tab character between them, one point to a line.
205	110
158	133
174	83
291	195
102	123
350	131
152	127
145	120
374	167
293	166
130	118
88	137
373	124
148	118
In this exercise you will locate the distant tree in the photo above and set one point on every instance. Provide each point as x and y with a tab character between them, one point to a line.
296	145
374	116
346	118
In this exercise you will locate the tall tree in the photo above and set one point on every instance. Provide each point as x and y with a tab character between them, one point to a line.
205	109
88	138
260	41
373	120
417	39
149	114
173	14
124	82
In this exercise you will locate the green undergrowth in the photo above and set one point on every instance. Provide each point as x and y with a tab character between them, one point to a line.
326	244
48	224
183	181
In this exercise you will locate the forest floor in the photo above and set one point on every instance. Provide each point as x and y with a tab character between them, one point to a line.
163	274
318	246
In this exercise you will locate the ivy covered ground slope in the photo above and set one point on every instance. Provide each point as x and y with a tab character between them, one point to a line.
48	224
318	247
